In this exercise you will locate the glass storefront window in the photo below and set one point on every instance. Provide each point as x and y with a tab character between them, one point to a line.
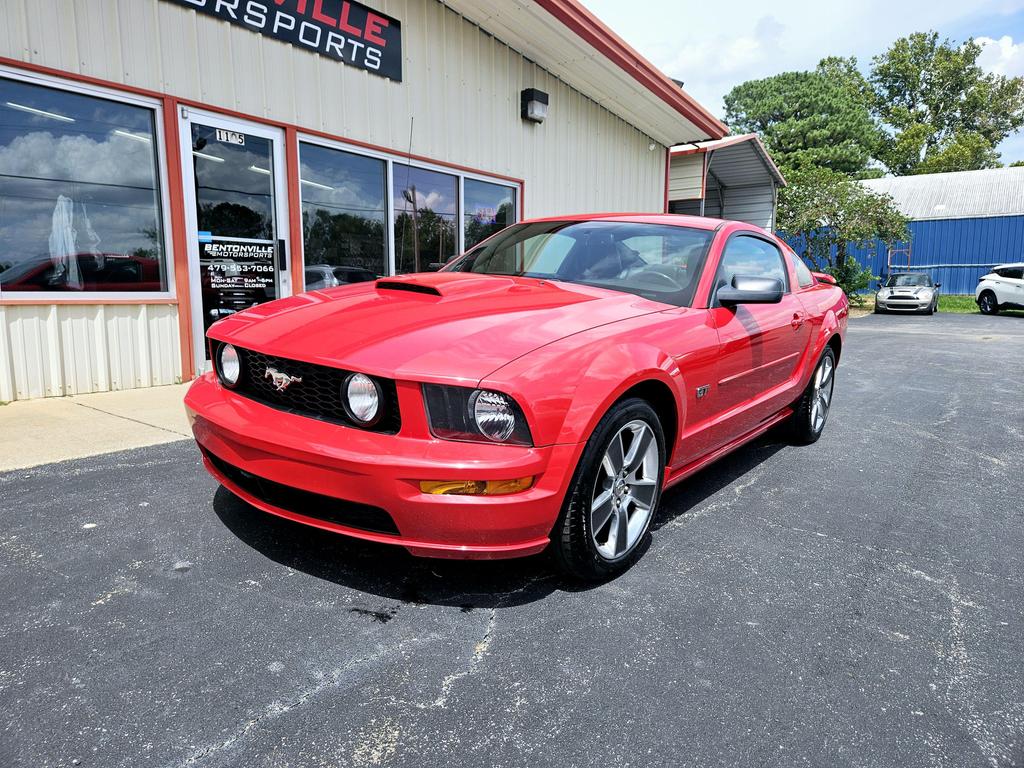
79	193
489	209
343	216
234	184
426	216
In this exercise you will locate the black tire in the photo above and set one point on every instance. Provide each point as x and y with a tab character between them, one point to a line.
804	425
574	548
988	304
877	311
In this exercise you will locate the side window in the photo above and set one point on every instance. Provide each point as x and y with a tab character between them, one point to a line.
803	273
751	257
1014	274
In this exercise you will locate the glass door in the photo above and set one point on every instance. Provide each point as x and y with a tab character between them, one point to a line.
236	218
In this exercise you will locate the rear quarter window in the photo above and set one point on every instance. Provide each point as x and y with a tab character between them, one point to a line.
804	278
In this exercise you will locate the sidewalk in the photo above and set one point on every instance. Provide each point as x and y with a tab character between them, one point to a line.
59	428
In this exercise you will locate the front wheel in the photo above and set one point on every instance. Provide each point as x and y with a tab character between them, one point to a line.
811	411
987	303
613	495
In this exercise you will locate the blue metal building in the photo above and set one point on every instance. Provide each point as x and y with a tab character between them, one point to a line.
962	224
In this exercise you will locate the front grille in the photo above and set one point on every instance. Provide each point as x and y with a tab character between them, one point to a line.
327	508
317	396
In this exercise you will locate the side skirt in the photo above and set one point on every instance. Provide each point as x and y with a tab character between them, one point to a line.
672	478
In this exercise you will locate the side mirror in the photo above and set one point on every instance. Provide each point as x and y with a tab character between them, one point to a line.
751	290
938	285
824	278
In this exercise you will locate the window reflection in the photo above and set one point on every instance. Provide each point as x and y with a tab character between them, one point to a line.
234	185
343	216
489	209
426	214
79	193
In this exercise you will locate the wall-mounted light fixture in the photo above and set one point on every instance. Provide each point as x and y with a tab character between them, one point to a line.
535	105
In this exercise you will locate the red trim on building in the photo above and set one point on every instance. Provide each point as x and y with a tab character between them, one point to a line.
668	175
179	234
591	29
82	302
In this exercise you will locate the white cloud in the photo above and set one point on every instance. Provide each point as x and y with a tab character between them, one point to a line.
714	51
1002	56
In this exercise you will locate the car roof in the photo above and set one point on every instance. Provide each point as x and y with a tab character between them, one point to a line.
672	219
1011	266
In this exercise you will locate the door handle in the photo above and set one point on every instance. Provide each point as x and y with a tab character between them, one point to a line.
797	321
281	257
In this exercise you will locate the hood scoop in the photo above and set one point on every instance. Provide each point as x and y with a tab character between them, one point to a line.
400	285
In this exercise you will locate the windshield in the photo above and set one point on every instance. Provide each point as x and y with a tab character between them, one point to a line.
902	281
657	261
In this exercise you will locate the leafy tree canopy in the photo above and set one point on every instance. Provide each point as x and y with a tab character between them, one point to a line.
824	212
807	119
943	110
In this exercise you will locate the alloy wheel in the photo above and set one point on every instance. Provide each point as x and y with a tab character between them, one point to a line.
987	303
624	491
824	382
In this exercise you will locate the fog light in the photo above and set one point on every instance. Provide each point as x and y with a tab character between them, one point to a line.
475	487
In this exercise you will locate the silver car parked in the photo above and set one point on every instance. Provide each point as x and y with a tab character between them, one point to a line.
908	292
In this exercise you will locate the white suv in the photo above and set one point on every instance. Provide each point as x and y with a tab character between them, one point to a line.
1002	288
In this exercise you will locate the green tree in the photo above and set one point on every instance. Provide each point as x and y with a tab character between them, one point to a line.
807	119
944	112
826	213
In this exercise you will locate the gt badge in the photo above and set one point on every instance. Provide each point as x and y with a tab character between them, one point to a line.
701	391
281	381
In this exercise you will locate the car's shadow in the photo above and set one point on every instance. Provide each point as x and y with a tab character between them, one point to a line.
681	499
390	572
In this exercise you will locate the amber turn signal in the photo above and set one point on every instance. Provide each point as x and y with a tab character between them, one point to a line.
475	487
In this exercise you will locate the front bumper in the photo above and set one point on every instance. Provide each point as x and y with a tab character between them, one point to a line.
913	304
242	439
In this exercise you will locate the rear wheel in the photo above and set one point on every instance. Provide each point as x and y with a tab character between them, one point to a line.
987	303
811	413
613	495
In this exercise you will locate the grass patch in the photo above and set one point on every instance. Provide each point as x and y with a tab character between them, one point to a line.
961	305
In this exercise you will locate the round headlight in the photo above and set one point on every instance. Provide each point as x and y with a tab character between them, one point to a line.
229	365
362	398
494	415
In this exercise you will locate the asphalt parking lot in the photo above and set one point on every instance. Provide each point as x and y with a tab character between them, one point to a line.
858	602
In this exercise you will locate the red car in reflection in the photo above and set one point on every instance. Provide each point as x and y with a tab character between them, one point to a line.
541	391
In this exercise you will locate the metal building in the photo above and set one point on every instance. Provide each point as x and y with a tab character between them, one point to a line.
166	162
728	178
961	225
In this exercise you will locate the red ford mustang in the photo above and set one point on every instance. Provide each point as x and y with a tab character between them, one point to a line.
542	390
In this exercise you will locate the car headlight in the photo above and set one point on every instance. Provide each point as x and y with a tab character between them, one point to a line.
361	396
229	365
479	415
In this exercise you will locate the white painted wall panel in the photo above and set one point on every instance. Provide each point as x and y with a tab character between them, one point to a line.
685	177
70	349
460	84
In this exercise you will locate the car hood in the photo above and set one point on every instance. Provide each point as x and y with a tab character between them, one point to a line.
446	327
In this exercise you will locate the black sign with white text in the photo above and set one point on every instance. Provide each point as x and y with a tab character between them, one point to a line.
342	30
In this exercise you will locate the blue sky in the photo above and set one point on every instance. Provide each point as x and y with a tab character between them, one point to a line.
711	52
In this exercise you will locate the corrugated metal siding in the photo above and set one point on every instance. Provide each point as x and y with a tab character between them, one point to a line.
460	84
955	252
956	195
685	178
72	348
754	205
